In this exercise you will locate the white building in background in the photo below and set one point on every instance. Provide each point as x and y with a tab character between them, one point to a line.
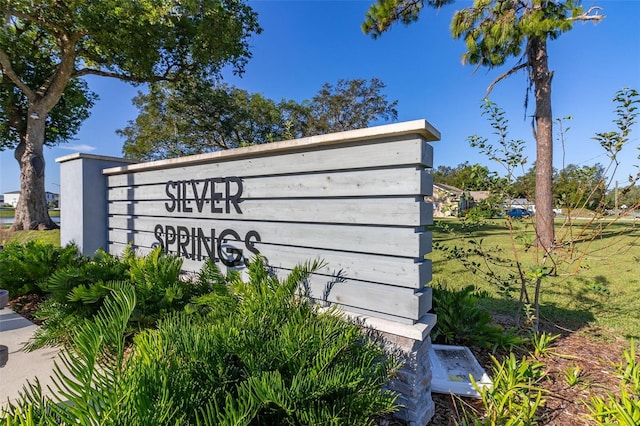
50	196
11	198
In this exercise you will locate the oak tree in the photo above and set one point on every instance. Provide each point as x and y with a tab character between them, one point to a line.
195	118
198	117
133	40
469	177
350	104
495	31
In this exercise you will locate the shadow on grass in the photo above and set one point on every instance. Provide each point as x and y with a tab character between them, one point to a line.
598	232
580	230
553	318
593	303
456	229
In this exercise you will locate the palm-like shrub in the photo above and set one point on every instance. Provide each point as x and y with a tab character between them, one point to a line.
79	291
462	321
75	292
24	267
623	408
82	285
250	353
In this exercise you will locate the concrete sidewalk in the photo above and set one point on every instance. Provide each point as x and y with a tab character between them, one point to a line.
22	366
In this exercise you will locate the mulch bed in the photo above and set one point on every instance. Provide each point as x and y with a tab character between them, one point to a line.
26	305
595	353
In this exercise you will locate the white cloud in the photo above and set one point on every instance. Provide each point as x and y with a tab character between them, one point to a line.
78	147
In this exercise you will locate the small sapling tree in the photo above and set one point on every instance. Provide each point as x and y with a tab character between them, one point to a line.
522	270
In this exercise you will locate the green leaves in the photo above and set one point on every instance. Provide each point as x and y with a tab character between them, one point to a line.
462	321
350	104
251	352
627	101
25	267
269	358
196	116
515	396
87	379
48	46
623	408
383	14
78	289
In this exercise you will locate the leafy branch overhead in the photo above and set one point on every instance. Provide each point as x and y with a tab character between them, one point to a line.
47	46
133	40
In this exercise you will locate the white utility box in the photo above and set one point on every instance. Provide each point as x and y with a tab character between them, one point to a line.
451	367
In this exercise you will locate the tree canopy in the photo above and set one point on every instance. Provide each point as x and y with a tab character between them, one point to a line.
350	104
628	196
194	119
66	116
47	46
199	117
472	177
573	186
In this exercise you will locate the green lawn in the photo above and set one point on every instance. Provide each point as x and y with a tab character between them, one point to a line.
50	237
9	212
598	282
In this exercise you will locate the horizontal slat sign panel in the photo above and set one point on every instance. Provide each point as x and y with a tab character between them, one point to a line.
355	200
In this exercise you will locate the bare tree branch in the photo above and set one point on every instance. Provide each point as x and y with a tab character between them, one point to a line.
589	15
124	77
503	76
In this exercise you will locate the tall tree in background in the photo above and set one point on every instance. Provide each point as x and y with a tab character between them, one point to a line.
494	31
198	117
132	40
525	185
179	120
580	187
62	122
471	177
350	104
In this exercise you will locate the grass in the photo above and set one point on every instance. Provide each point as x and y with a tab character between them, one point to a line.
49	237
9	212
597	281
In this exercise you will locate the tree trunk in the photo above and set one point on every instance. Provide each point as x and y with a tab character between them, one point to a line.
541	77
32	211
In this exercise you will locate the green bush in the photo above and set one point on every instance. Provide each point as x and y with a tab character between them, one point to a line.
24	267
480	212
78	291
81	285
461	321
248	353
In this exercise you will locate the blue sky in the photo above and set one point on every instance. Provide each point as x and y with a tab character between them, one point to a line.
307	43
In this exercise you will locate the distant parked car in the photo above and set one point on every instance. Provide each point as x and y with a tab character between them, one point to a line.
518	212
